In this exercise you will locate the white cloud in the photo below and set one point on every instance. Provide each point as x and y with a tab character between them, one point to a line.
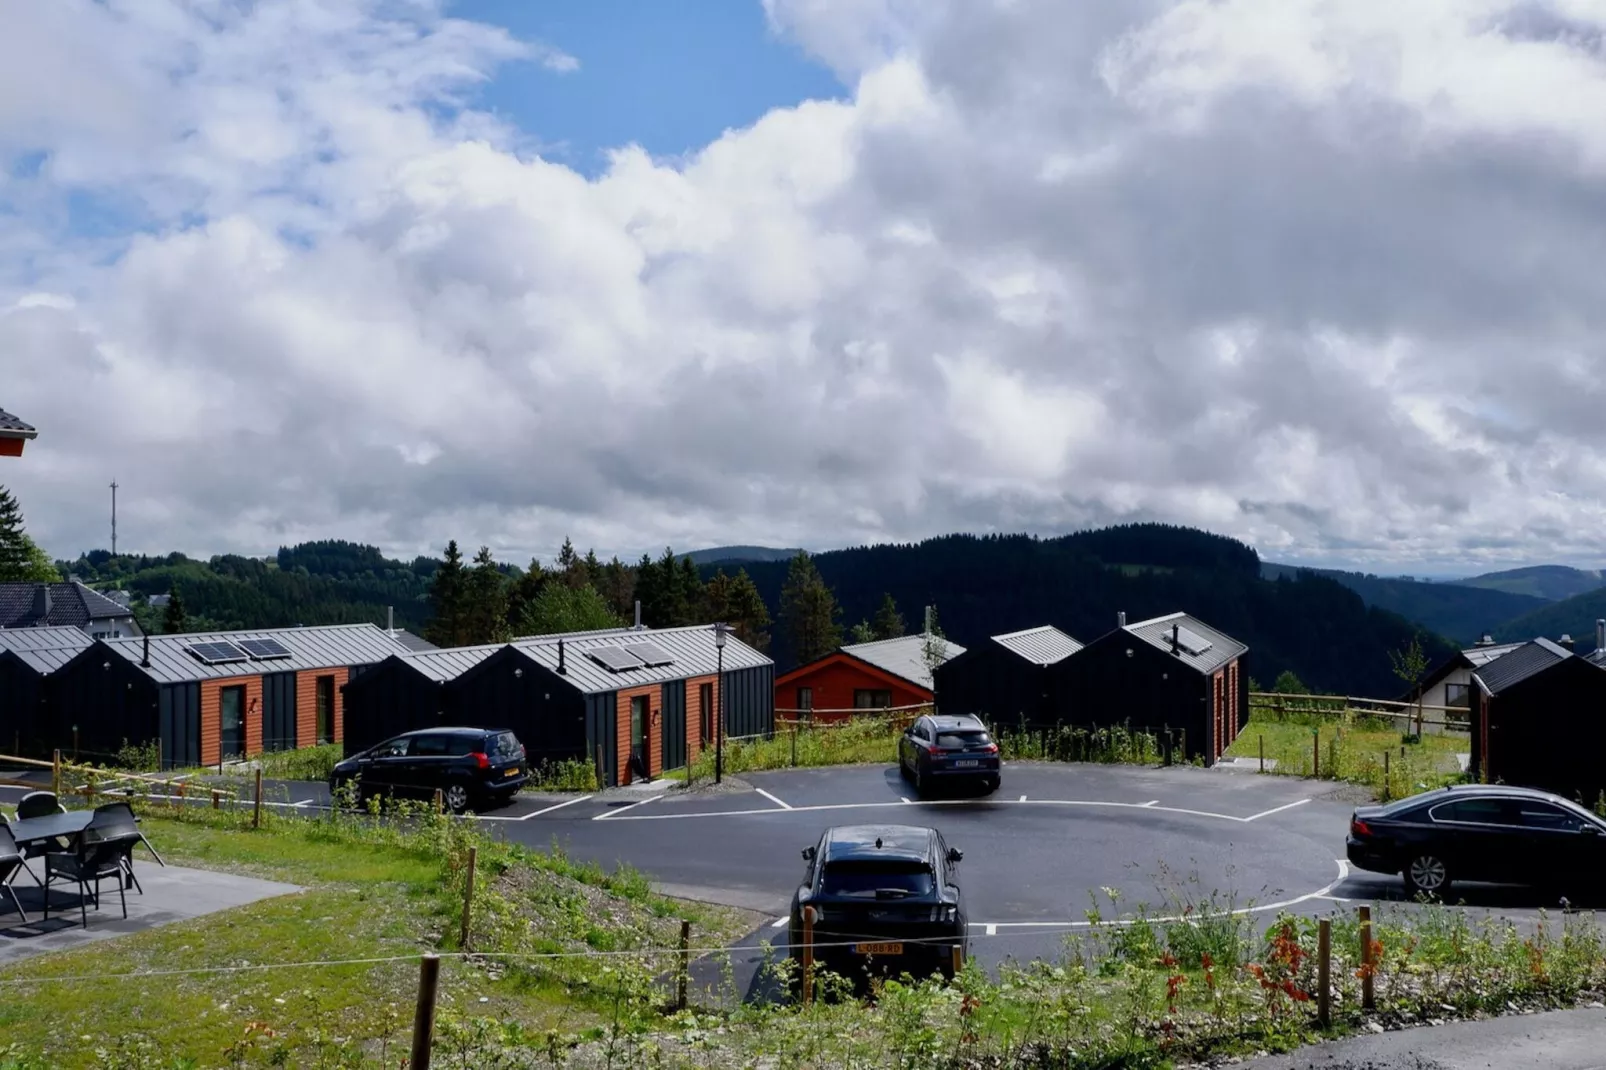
1321	275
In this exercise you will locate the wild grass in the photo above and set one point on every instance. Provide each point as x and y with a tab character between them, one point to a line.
1352	748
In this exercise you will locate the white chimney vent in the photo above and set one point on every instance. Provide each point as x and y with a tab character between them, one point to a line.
1120	618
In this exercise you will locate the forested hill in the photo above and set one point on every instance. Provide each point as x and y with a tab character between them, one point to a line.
1453	610
983	586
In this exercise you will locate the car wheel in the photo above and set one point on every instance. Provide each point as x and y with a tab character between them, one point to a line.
457	798
990	785
1426	874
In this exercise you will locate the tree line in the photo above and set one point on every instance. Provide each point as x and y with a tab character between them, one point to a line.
21	559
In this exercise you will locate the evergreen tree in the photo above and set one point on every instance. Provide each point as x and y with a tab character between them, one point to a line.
486	604
693	597
650	593
448	594
524	591
809	611
862	632
574	570
617	585
933	644
745	609
16	549
561	608
888	622
40	568
174	619
717	598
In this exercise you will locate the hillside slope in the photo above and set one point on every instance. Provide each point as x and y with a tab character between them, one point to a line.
983	586
1551	582
1459	612
720	554
1575	616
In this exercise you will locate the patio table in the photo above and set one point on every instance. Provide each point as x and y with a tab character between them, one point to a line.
34	830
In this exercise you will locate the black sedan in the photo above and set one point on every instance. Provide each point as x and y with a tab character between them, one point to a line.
884	899
942	749
1503	835
471	767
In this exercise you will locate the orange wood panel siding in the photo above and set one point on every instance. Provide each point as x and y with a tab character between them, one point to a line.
655	730
307	705
212	716
694	714
833	681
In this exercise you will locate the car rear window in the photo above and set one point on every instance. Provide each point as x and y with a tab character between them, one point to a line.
962	737
502	745
867	877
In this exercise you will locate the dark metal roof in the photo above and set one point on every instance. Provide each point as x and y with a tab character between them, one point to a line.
903	657
1157	633
416	643
691	648
11	427
1528	660
324	647
52	638
897	841
449	663
71	605
1040	646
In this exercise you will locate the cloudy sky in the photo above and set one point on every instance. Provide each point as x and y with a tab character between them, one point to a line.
1325	275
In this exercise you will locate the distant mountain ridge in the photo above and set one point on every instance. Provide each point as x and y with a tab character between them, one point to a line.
718	554
1454	610
1575	616
1553	583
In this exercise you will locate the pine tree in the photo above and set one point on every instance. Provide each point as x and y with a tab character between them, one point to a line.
561	608
486	609
693	596
888	622
16	550
617	585
661	588
174	618
717	597
933	644
809	611
575	570
862	632
650	592
448	593
746	611
525	590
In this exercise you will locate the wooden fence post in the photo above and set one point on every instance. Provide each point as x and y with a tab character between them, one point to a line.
429	978
440	802
685	966
256	810
55	774
808	955
959	959
794	745
1262	754
1368	999
1386	779
1324	973
468	897
601	770
217	800
1316	753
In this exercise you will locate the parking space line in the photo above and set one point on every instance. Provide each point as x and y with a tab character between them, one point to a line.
1275	810
773	799
621	815
609	815
903	799
548	810
779	923
1023	798
1151	802
992	930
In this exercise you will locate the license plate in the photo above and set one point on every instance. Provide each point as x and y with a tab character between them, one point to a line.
512	772
878	949
967	763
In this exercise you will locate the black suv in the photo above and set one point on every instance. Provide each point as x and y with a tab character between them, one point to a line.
947	750
884	898
472	767
1481	832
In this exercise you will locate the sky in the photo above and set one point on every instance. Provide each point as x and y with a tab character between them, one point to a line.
1322	275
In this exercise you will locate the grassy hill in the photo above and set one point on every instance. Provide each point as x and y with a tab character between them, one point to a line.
1454	610
721	554
1575	616
1551	582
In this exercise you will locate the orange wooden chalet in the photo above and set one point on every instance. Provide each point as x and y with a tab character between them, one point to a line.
13	435
888	673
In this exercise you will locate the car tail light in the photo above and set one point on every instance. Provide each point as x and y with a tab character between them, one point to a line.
480	759
1357	827
991	748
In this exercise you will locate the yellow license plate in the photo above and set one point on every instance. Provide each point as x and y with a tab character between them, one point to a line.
511	772
878	949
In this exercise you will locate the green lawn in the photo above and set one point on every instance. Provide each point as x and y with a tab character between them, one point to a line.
1354	752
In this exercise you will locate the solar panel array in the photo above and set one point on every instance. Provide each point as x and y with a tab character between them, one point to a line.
615	658
651	655
217	653
1192	642
264	649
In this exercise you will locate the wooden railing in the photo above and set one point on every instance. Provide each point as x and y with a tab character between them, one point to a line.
1452	718
88	781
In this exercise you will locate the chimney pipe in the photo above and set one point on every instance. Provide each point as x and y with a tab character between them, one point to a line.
929	610
563	668
390	620
1566	641
1120	618
145	653
1176	639
1600	634
638	614
42	603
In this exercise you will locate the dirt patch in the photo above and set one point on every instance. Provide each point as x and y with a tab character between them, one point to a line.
730	786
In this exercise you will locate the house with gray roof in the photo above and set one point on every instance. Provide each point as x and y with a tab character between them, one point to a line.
40	605
885	674
1005	679
14	434
1539	720
27	657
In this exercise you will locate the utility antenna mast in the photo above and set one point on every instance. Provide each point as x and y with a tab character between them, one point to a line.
114	518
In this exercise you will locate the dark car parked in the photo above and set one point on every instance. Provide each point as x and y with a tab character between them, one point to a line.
1503	835
884	898
947	750
472	767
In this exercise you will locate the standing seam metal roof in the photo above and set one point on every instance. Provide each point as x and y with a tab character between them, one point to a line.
1157	633
903	657
1528	660
323	647
56	637
451	662
1040	646
692	649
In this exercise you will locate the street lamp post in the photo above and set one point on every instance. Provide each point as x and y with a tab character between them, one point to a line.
720	632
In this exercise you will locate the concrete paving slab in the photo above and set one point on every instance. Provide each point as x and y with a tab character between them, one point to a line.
172	894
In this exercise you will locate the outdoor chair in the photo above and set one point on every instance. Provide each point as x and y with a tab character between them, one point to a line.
96	858
40	804
117	819
22	853
10	861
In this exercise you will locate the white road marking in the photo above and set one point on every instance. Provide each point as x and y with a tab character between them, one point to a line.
992	927
1151	802
548	810
611	815
1276	810
1023	798
773	799
905	801
779	923
902	799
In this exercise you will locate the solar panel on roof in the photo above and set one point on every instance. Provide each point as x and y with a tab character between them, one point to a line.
1192	642
264	649
650	654
217	653
615	658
